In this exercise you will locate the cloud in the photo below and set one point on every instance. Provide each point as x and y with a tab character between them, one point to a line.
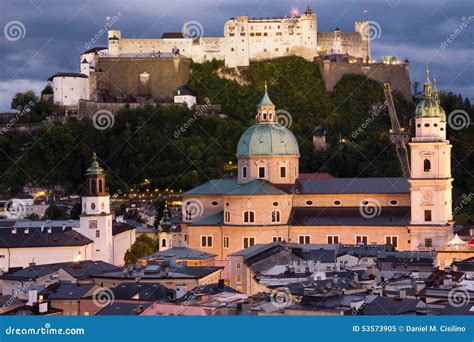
8	89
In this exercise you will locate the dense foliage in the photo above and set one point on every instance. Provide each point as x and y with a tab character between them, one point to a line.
175	148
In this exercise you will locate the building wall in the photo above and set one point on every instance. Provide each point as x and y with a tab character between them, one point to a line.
121	243
397	75
69	90
272	166
22	257
122	76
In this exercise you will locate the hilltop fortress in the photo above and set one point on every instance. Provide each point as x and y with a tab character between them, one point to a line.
248	39
144	70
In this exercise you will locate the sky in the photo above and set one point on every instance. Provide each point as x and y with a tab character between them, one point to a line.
42	37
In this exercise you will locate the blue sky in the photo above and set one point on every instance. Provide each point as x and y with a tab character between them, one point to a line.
56	32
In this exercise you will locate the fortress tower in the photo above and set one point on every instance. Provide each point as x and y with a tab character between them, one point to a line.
430	181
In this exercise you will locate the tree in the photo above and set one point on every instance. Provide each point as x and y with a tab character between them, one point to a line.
76	210
142	247
55	213
32	217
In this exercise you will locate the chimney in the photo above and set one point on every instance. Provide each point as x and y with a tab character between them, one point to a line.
335	279
403	293
181	290
43	307
221	283
32	297
448	282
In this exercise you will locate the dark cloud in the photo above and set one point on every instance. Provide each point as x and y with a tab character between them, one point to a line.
57	31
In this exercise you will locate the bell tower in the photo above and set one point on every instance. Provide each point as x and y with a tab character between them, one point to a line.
96	218
430	179
266	109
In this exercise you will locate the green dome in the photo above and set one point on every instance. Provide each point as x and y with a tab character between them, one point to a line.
267	139
428	107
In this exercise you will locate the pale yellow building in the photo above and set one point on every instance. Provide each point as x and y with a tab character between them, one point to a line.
270	200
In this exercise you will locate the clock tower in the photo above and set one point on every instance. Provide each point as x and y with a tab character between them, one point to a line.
96	218
430	179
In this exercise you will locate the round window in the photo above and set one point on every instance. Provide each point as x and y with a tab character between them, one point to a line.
419	125
275	204
309	202
227	204
92	205
393	202
214	203
427	125
436	125
365	202
337	202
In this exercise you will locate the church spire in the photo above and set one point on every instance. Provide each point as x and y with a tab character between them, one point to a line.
435	91
95	178
427	84
266	109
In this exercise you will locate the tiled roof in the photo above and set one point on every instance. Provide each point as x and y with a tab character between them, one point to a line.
388	306
214	187
208	289
182	253
123	309
67	291
142	291
213	220
40	237
158	272
353	185
78	270
67	74
256	187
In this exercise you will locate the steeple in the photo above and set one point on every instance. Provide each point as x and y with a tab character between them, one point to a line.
266	109
165	222
95	178
427	84
435	92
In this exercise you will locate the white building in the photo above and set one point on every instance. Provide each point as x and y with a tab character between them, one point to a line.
184	96
69	87
93	237
246	39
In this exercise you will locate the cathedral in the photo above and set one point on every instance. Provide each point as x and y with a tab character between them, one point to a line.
270	200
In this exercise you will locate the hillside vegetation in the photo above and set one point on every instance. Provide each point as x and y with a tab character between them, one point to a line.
144	143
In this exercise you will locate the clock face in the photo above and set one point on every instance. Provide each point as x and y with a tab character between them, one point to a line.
93	224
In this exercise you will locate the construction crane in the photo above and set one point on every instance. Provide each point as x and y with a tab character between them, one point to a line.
398	135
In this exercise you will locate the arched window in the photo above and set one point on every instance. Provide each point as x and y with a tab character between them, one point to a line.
249	217
275	216
427	165
92	186
100	185
163	243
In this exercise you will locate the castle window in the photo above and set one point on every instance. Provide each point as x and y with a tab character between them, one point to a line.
249	217
275	216
244	172
391	240
277	238
97	233
361	240
427	215
226	242
304	239
427	165
227	217
283	172
333	239
206	241
249	242
261	172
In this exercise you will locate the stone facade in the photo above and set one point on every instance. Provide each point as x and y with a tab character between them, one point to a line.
248	39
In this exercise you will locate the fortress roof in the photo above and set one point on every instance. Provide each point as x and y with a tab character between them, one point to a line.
67	74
